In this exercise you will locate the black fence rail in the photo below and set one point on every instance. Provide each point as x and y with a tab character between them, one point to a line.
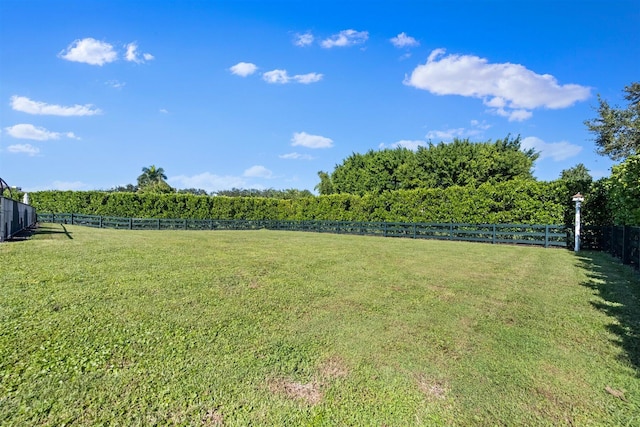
540	235
622	242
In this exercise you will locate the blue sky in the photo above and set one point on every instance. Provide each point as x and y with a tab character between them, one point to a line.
264	94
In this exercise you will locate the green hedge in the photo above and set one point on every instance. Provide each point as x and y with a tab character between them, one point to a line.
517	201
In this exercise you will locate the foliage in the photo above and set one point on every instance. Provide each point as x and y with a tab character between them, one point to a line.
574	180
617	130
152	180
290	193
129	188
195	191
624	196
258	328
597	207
460	163
517	201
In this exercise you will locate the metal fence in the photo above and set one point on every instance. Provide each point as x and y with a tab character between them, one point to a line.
541	235
622	242
14	217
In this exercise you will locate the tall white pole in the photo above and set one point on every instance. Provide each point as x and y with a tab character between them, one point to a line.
578	199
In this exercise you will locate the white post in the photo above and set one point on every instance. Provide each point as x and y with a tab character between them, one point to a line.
578	199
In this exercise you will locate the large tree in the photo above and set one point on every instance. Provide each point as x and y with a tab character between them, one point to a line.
153	179
617	130
460	162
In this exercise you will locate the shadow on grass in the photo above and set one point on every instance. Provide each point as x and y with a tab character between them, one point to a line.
619	286
50	230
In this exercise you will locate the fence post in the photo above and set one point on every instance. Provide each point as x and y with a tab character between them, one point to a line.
493	237
626	245
546	236
72	218
450	231
130	223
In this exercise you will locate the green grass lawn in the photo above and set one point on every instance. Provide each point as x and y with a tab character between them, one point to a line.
108	327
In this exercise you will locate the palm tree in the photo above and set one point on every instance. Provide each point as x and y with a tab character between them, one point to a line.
150	176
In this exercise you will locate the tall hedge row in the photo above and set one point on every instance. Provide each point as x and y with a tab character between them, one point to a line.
516	201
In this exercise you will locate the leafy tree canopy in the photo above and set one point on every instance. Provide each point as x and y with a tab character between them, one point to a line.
460	162
153	179
617	130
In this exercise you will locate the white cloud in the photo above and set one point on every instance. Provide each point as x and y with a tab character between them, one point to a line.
23	148
345	38
258	172
89	51
276	76
557	151
132	54
447	135
402	40
409	144
282	77
303	139
243	69
308	78
28	131
115	84
207	181
26	105
482	125
296	156
164	111
511	90
302	40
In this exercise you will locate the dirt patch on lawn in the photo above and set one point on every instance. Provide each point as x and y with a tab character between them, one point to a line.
432	389
333	368
310	393
212	418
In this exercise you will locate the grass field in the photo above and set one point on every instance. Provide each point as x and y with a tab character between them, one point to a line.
108	327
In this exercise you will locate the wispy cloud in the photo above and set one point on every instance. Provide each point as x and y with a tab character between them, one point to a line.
26	105
447	135
28	131
510	90
243	69
557	151
258	172
132	54
282	77
23	149
115	84
403	40
304	139
95	52
408	144
296	156
303	40
89	51
345	38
